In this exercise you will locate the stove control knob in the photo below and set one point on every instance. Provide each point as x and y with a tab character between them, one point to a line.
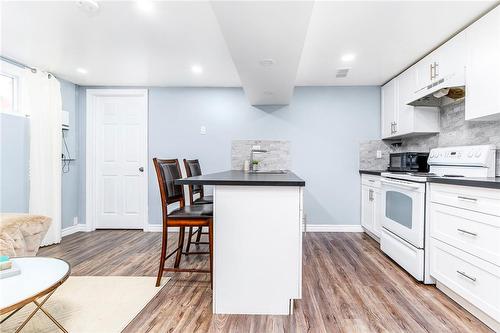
478	153
470	154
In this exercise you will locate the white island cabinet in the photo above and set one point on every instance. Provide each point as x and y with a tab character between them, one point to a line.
257	241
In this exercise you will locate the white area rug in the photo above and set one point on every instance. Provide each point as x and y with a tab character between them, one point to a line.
93	304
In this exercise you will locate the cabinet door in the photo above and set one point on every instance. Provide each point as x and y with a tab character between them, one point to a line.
450	58
367	207
389	93
407	83
424	71
377	212
482	74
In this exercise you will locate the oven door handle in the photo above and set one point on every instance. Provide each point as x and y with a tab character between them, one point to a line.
400	184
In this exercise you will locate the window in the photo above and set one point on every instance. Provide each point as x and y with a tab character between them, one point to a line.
8	93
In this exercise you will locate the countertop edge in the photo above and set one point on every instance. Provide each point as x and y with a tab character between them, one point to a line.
371	172
493	184
240	182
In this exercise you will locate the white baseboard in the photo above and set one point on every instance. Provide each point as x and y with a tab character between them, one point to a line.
307	228
333	228
158	228
74	228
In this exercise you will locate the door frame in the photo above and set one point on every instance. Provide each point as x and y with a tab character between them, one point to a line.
90	152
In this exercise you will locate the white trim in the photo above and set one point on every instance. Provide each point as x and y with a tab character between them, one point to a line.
333	228
158	228
90	153
74	228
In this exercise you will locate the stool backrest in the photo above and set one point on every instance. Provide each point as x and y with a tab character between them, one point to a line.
193	168
167	171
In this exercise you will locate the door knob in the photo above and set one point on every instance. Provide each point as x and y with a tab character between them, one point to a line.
141	169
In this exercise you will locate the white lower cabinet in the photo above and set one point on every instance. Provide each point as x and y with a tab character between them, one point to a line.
465	247
371	208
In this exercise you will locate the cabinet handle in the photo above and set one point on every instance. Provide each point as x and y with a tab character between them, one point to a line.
467	276
467	198
436	71
467	232
431	70
370	195
395	127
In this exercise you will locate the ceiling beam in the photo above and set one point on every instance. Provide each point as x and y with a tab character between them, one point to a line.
265	40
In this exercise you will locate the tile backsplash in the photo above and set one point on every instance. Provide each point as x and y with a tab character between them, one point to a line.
455	131
277	156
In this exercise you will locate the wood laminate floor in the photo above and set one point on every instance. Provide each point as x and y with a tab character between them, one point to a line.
349	285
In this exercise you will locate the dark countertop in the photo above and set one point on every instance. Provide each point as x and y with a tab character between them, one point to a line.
372	172
491	182
242	178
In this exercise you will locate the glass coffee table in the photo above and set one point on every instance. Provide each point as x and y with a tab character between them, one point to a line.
40	277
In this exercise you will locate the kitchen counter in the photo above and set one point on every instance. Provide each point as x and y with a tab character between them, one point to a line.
372	172
492	182
242	178
257	241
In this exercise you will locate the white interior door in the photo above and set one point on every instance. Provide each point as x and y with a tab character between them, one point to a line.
120	157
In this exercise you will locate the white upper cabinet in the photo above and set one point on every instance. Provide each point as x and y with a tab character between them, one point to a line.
482	101
388	107
444	67
400	119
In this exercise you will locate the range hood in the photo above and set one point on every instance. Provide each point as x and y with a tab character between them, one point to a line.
440	92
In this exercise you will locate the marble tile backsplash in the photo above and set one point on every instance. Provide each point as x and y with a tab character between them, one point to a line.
455	131
277	156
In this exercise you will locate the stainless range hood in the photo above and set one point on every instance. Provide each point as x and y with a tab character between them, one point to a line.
440	92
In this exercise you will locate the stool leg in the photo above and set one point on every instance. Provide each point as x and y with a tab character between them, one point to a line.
180	247
163	253
198	237
211	247
190	235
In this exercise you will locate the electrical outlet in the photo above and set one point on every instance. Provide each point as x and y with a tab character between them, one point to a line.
256	147
75	220
379	154
203	130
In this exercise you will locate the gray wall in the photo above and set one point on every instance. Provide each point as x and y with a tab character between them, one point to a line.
14	140
14	157
323	124
70	179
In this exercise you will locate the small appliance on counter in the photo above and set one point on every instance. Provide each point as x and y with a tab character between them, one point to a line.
403	235
408	162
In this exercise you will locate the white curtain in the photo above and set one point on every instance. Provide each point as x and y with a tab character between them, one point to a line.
41	100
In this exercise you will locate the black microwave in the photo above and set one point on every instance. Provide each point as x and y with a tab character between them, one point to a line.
409	161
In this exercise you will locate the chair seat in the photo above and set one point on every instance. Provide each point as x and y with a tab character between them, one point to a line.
207	199
192	212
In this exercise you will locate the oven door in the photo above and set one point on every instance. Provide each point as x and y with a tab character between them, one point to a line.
403	204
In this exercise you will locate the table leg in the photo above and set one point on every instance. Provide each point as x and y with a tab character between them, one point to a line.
39	307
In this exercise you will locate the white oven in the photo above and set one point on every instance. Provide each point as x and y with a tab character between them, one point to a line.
403	205
403	222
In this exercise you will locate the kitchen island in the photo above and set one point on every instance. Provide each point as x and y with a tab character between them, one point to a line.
257	240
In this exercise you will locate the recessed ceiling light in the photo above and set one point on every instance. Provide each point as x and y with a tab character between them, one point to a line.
145	5
348	57
89	6
268	93
82	70
197	69
267	62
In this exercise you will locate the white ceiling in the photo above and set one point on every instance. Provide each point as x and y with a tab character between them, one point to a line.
121	45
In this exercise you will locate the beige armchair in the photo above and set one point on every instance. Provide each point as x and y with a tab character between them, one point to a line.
21	234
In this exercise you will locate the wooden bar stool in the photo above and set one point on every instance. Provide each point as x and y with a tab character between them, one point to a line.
191	216
193	168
